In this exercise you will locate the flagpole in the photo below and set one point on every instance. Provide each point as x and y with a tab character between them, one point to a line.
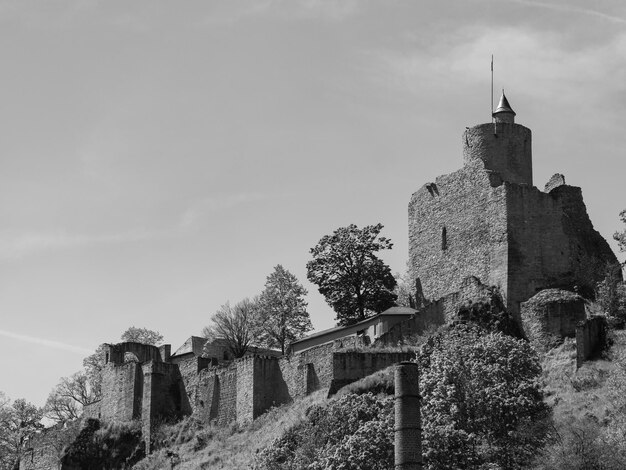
491	87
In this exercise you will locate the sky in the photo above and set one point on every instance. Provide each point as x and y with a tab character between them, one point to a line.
159	158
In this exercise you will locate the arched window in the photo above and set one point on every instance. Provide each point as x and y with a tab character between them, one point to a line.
130	357
444	239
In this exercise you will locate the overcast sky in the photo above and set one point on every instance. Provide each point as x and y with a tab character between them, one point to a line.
160	158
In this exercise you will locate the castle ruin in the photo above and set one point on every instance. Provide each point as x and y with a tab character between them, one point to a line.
488	221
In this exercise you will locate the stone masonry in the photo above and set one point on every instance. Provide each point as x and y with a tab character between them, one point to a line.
487	220
146	383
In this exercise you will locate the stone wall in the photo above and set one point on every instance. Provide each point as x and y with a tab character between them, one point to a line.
43	450
164	395
550	316
116	353
483	223
351	366
122	392
190	367
505	148
250	386
458	229
216	398
590	338
436	313
552	243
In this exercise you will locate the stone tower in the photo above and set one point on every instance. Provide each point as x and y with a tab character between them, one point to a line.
487	220
502	146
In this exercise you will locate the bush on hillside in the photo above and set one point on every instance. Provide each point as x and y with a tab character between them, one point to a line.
482	408
100	447
350	433
482	400
489	312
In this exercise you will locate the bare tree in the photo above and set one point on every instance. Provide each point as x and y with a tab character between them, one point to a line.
67	399
238	325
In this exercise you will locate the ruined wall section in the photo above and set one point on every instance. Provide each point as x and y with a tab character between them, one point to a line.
164	396
552	243
122	395
439	312
190	367
351	366
591	338
245	389
250	386
458	229
216	397
550	316
115	353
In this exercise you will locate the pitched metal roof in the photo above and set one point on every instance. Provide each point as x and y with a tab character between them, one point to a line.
389	311
504	106
194	344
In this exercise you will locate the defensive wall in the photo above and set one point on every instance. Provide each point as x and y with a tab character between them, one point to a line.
146	383
434	313
250	386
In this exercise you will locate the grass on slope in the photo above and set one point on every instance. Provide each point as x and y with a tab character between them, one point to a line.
192	446
575	393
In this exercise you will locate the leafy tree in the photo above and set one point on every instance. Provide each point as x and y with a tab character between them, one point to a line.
238	325
67	399
142	335
482	400
489	312
354	281
620	237
19	421
482	408
611	293
404	290
283	309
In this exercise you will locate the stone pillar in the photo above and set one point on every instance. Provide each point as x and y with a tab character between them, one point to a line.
408	430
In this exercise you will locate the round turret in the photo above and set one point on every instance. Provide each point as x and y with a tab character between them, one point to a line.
502	146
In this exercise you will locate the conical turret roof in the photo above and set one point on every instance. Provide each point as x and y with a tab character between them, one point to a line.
504	106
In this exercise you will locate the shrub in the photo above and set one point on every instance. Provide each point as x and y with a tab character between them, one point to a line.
482	400
489	313
349	425
101	447
481	408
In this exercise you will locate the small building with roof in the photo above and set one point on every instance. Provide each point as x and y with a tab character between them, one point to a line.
368	330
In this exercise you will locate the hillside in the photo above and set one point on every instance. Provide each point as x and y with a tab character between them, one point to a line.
190	445
581	401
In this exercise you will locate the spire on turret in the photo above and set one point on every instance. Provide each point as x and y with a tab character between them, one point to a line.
504	112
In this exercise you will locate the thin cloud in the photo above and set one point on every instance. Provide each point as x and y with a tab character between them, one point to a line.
333	10
45	342
537	61
571	9
204	207
18	245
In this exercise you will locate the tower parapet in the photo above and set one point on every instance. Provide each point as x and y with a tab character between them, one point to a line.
502	146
